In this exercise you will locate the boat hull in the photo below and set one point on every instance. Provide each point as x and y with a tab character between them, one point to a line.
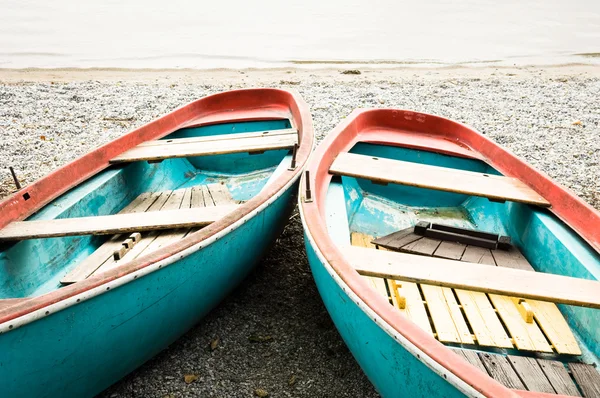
86	347
389	365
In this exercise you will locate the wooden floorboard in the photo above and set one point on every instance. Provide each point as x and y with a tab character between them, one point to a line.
559	377
587	378
472	358
437	178
501	370
531	374
179	149
91	263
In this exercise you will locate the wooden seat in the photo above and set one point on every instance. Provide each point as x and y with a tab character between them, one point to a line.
383	170
462	275
210	145
205	196
114	224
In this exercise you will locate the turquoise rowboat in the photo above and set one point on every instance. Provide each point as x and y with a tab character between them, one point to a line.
449	266
108	260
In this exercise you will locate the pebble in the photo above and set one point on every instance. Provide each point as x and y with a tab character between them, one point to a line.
532	116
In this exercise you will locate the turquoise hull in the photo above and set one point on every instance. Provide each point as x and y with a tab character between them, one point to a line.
85	348
393	370
80	350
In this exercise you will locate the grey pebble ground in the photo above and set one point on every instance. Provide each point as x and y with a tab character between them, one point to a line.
273	333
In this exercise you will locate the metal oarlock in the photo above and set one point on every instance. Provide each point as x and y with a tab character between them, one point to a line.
293	163
308	195
14	176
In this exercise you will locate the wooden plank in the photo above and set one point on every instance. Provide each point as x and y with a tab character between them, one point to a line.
526	336
500	370
468	276
588	379
92	262
559	377
415	309
486	326
472	358
220	137
364	240
423	246
218	147
547	315
447	318
114	224
220	194
531	374
479	311
383	170
511	259
177	199
478	255
450	250
396	240
555	327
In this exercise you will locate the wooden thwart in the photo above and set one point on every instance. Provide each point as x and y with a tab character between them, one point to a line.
498	188
114	224
203	146
467	276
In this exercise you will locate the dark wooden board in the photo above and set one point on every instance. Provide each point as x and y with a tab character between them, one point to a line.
500	369
472	358
423	246
531	374
588	378
396	240
559	377
450	250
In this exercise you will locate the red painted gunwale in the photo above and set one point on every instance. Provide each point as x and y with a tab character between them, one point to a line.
231	106
436	134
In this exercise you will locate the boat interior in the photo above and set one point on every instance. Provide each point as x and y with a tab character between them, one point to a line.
379	193
181	182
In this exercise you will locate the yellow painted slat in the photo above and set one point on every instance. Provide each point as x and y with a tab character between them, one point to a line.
448	321
415	309
526	336
554	325
484	321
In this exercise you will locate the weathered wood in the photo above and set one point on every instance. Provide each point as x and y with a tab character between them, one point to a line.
472	358
364	240
114	224
220	194
414	309
423	246
178	149
547	315
483	319
447	318
526	336
500	370
531	374
478	255
220	137
511	258
383	170
588	379
555	327
559	377
176	200
468	276
450	250
396	240
91	263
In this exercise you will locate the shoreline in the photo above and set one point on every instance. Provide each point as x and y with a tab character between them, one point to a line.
9	76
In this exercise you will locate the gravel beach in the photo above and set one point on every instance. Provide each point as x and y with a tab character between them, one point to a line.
273	333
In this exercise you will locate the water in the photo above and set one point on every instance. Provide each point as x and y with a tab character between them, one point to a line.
281	33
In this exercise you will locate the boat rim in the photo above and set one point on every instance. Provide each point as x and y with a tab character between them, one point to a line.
290	106
435	355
